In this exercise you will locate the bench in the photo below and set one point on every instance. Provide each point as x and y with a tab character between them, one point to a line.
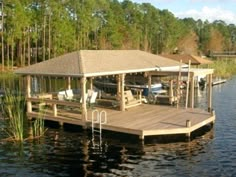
130	100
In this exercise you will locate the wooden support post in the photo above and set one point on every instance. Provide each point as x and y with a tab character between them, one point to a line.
187	89
213	114
30	130
83	95
171	95
118	93
122	87
28	95
55	110
188	125
149	83
192	91
141	137
61	123
209	92
69	83
91	83
178	84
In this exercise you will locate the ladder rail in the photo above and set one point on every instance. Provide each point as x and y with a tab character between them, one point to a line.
95	119
103	114
98	118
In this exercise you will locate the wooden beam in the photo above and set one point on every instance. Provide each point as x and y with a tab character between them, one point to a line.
68	83
178	84
171	93
188	125
83	96
55	110
187	89
122	95
118	93
192	91
209	92
149	83
91	83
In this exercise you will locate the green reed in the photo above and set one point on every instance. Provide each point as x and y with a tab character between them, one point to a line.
14	112
38	124
14	108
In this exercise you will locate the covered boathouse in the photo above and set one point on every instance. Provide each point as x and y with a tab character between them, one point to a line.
124	114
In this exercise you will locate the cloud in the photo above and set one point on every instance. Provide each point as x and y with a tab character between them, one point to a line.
210	14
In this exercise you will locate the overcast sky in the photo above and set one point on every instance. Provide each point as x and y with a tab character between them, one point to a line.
198	9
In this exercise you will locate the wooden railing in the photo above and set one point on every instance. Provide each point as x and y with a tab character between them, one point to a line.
52	109
223	54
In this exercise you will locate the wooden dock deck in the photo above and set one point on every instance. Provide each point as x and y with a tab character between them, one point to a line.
143	120
148	120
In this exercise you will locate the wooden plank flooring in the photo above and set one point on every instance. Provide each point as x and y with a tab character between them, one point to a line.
147	120
143	120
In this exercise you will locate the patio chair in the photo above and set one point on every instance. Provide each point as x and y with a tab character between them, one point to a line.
92	100
61	95
69	94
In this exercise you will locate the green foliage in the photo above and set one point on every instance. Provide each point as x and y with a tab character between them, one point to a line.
8	75
51	28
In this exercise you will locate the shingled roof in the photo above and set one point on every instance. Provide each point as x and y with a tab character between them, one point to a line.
99	62
195	60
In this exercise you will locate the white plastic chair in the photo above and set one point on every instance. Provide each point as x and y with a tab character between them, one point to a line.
92	100
69	94
61	95
93	97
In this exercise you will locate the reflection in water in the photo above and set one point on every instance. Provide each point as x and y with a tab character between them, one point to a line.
70	151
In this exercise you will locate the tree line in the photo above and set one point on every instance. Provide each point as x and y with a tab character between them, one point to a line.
37	30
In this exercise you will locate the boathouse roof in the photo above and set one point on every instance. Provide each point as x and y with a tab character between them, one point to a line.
90	63
195	60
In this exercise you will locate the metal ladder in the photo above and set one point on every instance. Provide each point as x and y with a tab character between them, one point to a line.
98	118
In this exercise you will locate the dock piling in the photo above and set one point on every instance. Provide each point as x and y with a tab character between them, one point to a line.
188	125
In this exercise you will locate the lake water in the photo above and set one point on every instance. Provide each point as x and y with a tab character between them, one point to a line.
70	151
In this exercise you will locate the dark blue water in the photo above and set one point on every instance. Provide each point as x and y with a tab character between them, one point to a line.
69	151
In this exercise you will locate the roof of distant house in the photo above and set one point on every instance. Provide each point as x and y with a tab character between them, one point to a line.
195	60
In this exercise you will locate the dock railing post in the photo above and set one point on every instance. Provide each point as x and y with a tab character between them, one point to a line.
84	101
209	92
188	125
55	110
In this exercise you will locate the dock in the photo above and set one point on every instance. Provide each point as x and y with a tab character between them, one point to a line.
143	120
151	120
219	82
79	70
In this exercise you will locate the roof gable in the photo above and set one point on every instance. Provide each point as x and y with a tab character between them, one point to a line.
61	66
99	62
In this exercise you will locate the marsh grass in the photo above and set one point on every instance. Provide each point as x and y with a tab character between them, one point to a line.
38	124
14	108
224	68
15	117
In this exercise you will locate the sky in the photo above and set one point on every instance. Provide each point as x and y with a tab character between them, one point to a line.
198	9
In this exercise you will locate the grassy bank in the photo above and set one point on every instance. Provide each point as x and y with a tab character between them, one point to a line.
224	68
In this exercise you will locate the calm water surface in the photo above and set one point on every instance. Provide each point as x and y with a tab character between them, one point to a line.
70	151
